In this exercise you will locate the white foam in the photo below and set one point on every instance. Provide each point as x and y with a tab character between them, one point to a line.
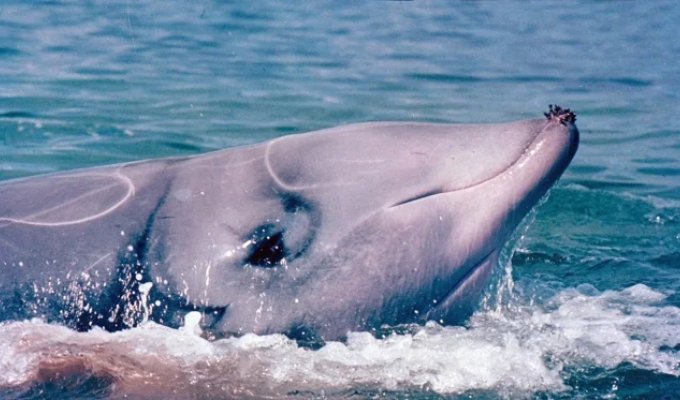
516	351
192	321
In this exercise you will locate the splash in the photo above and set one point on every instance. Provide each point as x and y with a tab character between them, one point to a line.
522	350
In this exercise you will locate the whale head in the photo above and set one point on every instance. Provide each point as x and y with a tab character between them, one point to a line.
349	228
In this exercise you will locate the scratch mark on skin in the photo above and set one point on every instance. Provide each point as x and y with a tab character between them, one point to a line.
27	220
283	185
102	258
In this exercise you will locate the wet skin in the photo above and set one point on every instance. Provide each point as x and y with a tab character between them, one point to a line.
312	235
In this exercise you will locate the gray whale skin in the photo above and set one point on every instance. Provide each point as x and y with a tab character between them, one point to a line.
311	235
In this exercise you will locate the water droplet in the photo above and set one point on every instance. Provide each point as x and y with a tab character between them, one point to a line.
145	287
192	323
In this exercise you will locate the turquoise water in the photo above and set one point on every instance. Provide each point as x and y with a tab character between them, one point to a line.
593	306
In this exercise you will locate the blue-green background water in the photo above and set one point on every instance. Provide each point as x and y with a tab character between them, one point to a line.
97	82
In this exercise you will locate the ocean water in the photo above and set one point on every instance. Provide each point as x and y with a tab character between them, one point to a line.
587	303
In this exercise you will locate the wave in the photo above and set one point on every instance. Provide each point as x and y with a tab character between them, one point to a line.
517	350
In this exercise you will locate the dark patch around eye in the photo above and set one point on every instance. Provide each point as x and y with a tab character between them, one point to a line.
292	203
268	248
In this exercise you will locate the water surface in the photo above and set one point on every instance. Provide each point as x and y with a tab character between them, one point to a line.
588	302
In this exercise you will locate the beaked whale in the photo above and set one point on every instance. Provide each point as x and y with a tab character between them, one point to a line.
311	235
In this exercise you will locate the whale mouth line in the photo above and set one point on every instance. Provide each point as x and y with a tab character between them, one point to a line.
533	143
416	198
444	301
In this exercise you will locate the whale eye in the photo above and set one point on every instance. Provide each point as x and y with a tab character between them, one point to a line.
283	237
267	248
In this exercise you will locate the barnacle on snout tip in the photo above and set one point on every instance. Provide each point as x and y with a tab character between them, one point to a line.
562	115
